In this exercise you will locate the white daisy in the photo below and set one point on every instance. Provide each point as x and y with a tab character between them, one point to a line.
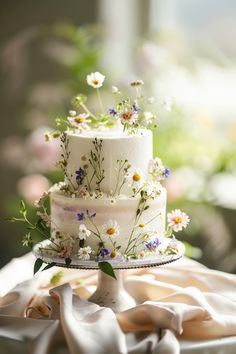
128	117
84	253
135	179
177	220
95	79
79	121
111	229
83	232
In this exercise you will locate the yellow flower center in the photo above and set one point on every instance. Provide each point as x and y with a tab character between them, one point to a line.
142	254
111	231
84	252
95	82
79	120
141	225
127	115
178	219
113	254
136	177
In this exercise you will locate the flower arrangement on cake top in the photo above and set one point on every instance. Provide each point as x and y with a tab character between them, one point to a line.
111	205
130	113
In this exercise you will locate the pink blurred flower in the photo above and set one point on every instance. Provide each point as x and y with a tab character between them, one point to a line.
32	187
12	151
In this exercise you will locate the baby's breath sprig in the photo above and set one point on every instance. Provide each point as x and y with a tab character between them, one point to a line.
122	170
64	161
143	205
96	160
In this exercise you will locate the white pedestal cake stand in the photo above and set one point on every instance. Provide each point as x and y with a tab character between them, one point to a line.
110	292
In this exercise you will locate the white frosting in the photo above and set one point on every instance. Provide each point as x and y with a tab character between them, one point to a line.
136	148
64	216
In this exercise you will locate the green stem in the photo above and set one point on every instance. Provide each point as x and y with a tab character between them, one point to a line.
97	231
87	111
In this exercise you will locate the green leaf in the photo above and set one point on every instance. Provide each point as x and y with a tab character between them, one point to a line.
40	224
49	265
22	210
37	265
106	268
81	243
68	261
56	278
146	207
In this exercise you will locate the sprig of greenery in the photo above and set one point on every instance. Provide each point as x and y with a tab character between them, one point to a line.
64	161
96	160
123	168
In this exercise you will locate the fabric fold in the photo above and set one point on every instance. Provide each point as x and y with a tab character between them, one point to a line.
183	302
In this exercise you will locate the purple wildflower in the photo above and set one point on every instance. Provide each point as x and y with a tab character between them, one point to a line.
166	172
80	216
112	111
153	244
136	108
104	252
80	174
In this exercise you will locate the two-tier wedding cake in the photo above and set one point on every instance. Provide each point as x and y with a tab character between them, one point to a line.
111	204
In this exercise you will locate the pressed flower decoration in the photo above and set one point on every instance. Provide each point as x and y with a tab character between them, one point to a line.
84	233
111	229
84	253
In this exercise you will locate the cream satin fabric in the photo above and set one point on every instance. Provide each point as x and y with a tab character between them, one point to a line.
180	301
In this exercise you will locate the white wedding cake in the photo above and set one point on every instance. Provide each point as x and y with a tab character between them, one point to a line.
111	204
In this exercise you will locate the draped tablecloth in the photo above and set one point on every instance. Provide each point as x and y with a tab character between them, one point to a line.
181	307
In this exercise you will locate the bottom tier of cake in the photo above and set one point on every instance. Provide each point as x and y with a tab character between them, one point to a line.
127	226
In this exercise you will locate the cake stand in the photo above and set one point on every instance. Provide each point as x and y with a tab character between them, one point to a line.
110	292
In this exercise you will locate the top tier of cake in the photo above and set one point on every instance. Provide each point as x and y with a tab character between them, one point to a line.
101	158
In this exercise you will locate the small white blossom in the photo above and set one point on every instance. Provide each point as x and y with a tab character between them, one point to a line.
72	113
45	217
95	79
111	229
84	253
177	220
152	189
83	232
135	179
148	116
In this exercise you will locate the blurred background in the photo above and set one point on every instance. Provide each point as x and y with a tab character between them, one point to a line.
181	49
